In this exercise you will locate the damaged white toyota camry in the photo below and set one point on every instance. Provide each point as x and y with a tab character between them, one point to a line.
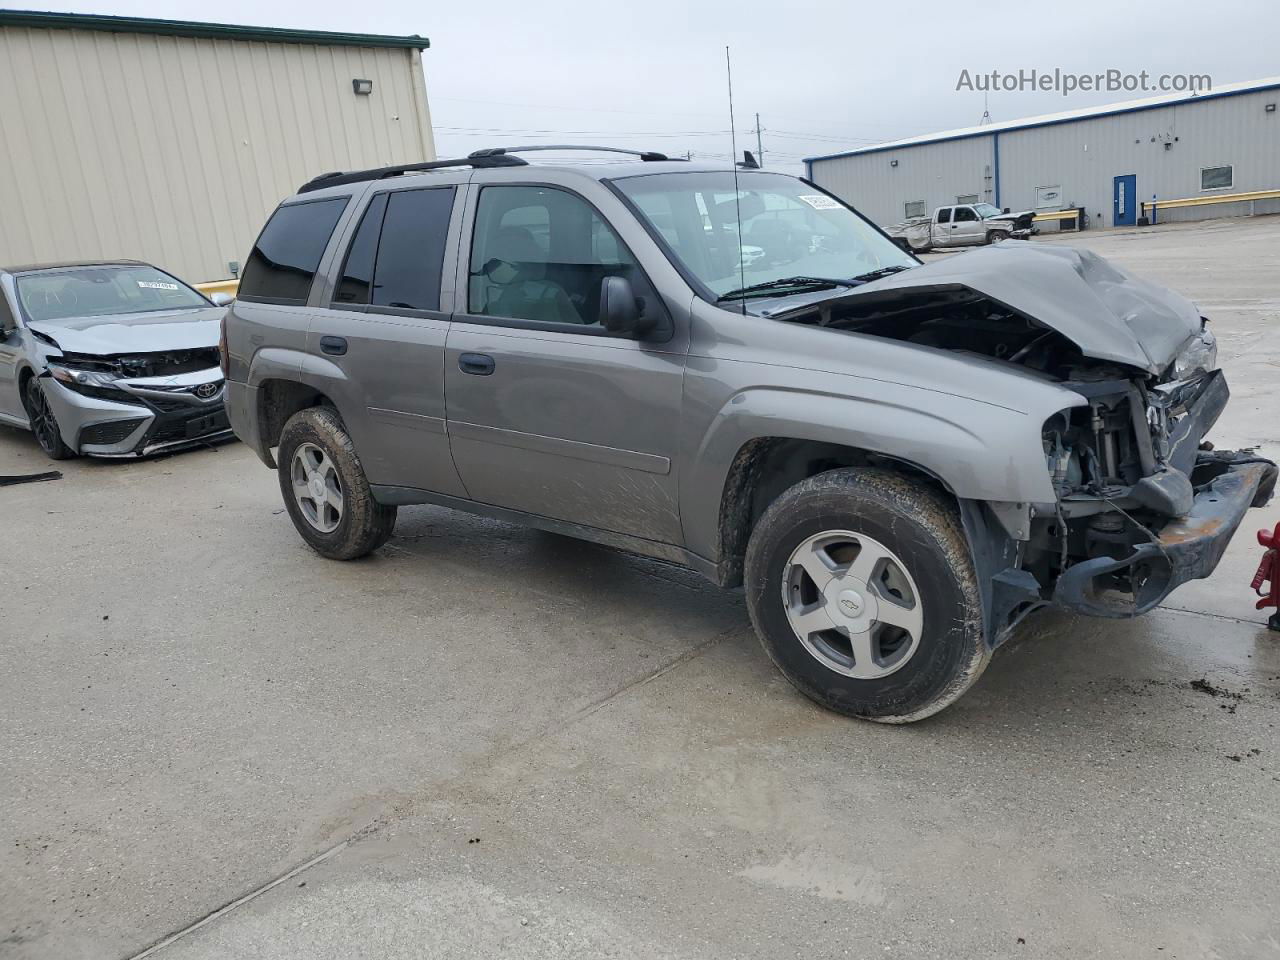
112	359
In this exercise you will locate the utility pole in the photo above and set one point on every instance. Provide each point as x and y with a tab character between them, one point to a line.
759	143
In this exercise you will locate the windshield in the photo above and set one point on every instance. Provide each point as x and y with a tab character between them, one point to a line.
102	291
986	210
788	229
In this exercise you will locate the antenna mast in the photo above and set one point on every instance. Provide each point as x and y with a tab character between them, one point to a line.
737	196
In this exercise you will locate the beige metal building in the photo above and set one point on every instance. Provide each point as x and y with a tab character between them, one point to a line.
171	141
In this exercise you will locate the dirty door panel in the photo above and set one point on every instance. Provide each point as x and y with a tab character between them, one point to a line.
569	426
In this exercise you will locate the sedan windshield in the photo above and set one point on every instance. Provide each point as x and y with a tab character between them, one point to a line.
102	291
771	229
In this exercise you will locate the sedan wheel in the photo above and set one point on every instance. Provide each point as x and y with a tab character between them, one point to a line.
44	424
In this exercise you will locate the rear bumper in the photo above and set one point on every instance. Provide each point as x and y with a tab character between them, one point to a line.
1187	548
242	411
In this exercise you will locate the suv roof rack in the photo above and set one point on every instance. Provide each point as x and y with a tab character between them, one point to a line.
339	177
492	152
480	159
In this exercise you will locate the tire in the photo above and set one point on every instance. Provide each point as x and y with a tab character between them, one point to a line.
996	236
43	423
314	442
869	667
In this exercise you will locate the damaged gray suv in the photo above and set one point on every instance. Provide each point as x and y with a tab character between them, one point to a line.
733	370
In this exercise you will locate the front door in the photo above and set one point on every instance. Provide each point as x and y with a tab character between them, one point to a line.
547	413
967	227
1125	201
10	353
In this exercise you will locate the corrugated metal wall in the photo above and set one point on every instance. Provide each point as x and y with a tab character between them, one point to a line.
1082	158
174	150
936	173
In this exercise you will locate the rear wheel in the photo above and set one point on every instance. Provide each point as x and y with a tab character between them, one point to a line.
325	489
862	590
44	424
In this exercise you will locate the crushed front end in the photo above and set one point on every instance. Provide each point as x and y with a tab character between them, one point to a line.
1144	502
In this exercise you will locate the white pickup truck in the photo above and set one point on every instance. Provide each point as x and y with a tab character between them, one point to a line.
964	224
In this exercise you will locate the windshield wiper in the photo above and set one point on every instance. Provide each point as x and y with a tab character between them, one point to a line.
806	283
877	274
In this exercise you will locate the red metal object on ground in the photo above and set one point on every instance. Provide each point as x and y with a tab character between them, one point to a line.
1269	570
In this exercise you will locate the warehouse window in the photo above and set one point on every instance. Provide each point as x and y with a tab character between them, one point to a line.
967	198
915	208
284	260
1216	178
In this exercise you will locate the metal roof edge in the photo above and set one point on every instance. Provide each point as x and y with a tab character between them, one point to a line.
52	20
1032	123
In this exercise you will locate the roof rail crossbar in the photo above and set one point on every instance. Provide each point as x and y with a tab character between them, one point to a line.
488	152
379	173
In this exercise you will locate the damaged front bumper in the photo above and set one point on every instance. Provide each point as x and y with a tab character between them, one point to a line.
1187	548
150	415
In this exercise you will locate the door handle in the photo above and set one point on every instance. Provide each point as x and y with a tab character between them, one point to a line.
334	346
478	364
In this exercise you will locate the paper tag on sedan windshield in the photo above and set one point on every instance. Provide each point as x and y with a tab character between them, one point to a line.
819	202
157	285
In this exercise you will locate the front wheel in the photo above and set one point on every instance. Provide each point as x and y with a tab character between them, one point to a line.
325	489
997	236
44	424
861	588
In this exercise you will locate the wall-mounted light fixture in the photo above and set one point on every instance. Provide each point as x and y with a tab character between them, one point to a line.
1270	108
362	88
893	163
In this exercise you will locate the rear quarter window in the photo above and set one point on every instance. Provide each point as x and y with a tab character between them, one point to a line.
284	260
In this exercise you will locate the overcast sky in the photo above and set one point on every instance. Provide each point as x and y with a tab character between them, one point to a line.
824	76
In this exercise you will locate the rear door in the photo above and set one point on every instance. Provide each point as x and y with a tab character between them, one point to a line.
548	413
377	333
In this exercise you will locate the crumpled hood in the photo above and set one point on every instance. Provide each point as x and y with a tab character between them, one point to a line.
1011	216
135	332
1107	312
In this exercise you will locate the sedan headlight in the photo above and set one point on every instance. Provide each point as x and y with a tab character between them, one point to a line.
99	384
1200	355
74	378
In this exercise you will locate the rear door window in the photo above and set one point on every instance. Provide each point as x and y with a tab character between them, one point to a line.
284	260
357	273
411	249
397	255
944	215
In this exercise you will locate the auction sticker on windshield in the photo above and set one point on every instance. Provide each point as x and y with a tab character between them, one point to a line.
819	202
157	285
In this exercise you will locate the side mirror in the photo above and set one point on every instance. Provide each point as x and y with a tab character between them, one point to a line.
221	299
620	311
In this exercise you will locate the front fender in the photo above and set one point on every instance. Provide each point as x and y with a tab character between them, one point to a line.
980	450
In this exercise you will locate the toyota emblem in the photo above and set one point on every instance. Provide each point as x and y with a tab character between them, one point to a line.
207	391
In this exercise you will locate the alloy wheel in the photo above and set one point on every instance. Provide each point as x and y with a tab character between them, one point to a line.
43	424
316	487
853	604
